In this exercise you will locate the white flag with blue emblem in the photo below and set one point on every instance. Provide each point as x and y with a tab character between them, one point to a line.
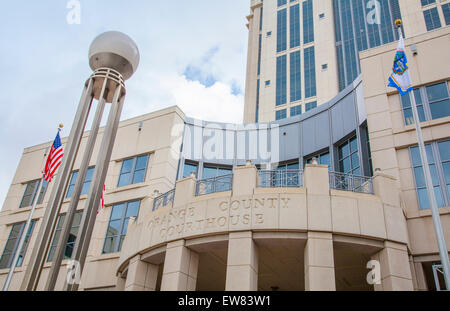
400	77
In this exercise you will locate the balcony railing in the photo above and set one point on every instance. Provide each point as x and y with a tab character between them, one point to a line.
163	200
213	185
354	183
280	178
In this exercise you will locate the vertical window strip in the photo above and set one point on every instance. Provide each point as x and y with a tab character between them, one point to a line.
30	193
70	243
294	25
296	76
259	54
281	30
308	22
419	176
257	100
360	25
281	88
432	19
310	72
261	19
446	11
12	245
118	225
387	28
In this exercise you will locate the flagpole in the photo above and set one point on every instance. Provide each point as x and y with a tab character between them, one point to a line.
429	183
25	231
23	237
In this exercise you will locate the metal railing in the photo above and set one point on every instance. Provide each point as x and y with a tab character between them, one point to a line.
213	185
163	200
280	178
348	182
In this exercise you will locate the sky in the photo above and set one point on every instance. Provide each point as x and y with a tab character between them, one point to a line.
193	54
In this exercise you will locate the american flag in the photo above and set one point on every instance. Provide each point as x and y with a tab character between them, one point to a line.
54	159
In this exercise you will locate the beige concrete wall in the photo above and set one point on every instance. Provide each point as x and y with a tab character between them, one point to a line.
154	138
390	139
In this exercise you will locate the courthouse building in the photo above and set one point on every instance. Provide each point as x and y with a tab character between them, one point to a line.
322	179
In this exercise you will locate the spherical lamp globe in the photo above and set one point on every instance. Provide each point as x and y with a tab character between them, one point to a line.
115	50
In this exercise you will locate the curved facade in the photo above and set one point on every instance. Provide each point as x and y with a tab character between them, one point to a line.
321	131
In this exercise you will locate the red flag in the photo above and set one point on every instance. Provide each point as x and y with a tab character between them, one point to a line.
102	200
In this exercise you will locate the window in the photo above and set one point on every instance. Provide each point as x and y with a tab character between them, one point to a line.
438	100
13	243
30	193
407	110
348	157
133	171
296	76
324	66
281	2
310	72
426	2
86	184
257	100
438	154
295	111
189	168
311	105
118	224
70	244
322	159
294	25
216	171
432	102
432	20
269	33
281	88
446	11
322	15
281	30
308	22
259	54
280	114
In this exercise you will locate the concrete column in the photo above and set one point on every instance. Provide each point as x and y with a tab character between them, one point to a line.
180	268
141	275
120	283
244	180
185	190
319	262
242	264
386	187
317	183
395	268
316	179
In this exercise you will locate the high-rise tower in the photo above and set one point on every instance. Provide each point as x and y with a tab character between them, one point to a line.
302	53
